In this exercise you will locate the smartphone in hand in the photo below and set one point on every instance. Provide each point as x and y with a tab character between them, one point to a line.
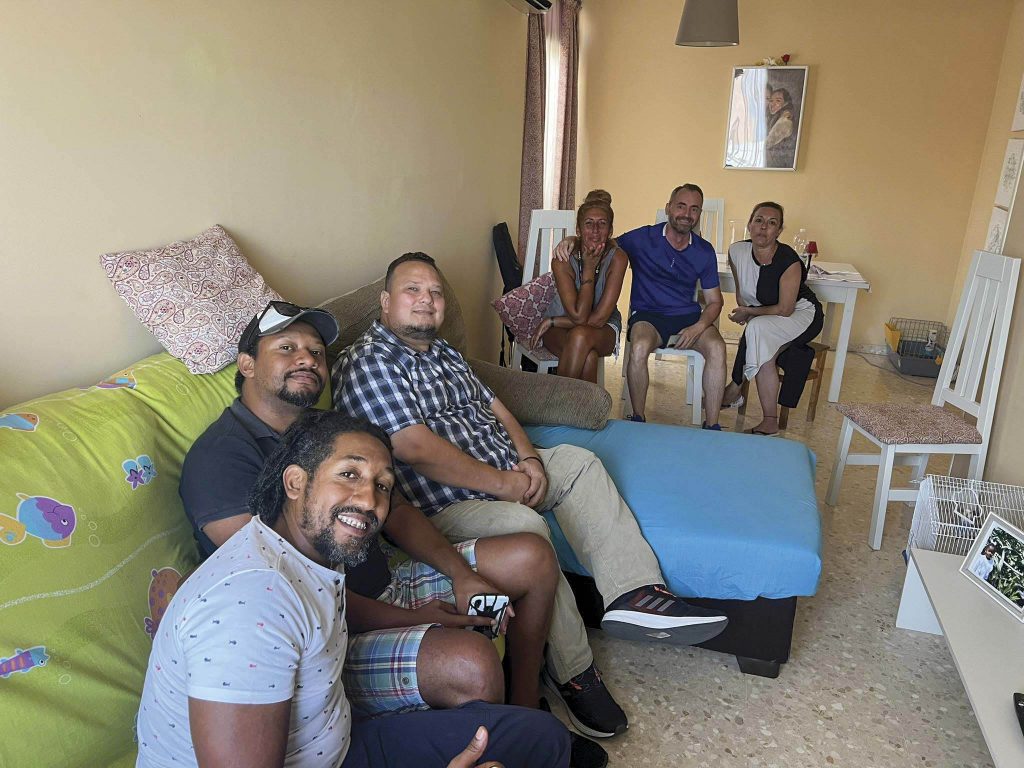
492	606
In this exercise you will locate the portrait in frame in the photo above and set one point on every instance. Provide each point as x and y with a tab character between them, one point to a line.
995	563
766	114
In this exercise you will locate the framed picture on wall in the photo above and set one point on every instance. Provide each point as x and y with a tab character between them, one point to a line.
1018	112
766	114
996	564
1008	177
996	231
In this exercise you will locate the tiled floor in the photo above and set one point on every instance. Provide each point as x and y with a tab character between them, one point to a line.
856	691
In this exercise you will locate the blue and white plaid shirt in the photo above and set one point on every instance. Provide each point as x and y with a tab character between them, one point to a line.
391	384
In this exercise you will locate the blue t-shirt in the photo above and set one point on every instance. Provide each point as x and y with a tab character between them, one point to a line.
664	279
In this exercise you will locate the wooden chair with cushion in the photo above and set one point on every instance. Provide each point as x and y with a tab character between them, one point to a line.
972	365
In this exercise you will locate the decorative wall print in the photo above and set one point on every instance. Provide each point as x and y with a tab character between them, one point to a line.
996	231
1008	177
766	111
1018	112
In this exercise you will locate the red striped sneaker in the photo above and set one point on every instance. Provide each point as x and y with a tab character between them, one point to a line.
654	613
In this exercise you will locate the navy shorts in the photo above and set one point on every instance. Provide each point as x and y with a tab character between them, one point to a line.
519	737
666	325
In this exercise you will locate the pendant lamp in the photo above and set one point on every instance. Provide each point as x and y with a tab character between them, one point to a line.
709	23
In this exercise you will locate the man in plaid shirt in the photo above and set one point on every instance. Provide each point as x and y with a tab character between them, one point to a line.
469	465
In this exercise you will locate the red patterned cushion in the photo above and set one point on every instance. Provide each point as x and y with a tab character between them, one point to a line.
895	424
196	296
522	308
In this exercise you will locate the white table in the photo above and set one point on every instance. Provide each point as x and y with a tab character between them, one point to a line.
985	642
831	292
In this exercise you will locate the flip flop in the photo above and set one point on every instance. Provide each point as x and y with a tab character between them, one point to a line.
759	432
737	403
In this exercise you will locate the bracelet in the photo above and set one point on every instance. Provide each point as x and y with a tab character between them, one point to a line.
535	458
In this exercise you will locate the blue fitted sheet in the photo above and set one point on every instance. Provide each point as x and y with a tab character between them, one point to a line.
729	515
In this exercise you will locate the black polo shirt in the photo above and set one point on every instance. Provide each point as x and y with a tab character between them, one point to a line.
221	468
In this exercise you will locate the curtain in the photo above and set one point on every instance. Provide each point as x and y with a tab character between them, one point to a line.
564	161
548	176
531	183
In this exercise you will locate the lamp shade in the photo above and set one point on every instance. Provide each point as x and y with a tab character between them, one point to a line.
709	23
812	248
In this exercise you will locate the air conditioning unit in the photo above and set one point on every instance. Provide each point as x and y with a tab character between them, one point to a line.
530	6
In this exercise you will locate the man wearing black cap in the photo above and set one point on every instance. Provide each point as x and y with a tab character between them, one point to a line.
406	656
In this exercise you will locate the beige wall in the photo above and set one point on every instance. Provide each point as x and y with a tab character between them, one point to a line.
1007	450
327	137
898	100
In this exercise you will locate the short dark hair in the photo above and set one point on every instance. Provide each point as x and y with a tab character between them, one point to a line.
406	257
307	443
769	204
689	188
252	347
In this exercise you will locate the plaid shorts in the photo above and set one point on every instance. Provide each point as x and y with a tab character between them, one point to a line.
380	668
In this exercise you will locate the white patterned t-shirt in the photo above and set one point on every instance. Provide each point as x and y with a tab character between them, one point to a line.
257	623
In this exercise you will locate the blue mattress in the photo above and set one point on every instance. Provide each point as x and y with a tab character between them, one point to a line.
729	515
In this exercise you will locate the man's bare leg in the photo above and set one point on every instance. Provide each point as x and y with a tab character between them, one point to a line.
712	346
523	566
455	666
644	339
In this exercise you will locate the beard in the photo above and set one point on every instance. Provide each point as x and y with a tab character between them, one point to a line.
350	553
420	332
304	398
683	228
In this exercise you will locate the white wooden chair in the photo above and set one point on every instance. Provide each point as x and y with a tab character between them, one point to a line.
547	228
972	361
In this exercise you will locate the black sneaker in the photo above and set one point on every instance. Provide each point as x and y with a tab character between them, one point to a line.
591	708
584	753
654	613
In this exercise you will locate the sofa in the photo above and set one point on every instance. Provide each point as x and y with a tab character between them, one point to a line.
93	538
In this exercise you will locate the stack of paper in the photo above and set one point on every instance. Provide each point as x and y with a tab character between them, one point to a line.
828	270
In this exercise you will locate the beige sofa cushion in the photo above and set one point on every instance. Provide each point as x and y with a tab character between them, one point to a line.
537	398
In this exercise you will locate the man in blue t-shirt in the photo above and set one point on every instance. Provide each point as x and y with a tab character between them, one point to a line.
668	260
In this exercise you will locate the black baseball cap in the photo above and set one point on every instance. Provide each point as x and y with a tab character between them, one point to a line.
278	315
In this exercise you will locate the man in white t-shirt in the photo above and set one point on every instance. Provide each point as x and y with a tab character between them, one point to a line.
246	665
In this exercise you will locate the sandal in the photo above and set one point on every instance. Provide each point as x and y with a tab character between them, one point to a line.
759	432
737	403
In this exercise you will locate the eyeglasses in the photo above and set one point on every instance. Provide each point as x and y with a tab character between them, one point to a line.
276	315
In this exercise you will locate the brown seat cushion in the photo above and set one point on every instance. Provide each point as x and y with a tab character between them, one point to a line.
898	424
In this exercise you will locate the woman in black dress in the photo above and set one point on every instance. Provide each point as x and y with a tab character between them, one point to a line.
779	313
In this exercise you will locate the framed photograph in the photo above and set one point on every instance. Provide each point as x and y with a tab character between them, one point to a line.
996	231
766	112
1008	177
1018	112
996	564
